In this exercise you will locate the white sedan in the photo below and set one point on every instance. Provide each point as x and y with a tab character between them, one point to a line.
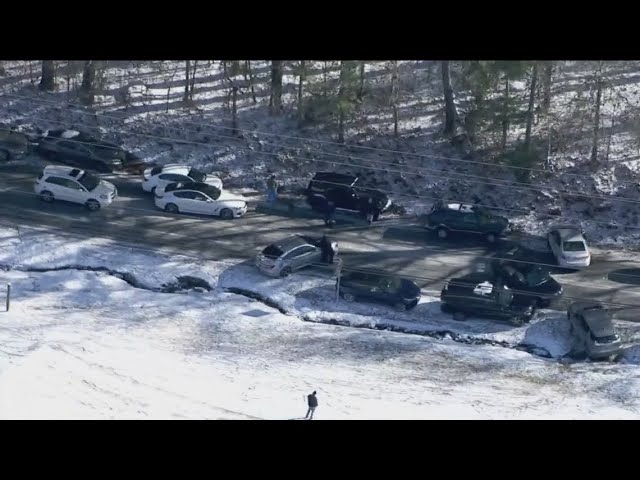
200	198
160	177
569	246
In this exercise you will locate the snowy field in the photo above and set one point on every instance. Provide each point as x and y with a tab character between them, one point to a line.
88	344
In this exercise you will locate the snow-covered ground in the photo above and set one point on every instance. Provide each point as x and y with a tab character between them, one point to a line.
88	344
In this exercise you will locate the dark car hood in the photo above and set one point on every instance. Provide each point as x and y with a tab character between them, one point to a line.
549	287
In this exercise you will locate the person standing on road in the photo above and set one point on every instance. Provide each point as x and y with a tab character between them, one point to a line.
370	211
312	401
330	210
272	189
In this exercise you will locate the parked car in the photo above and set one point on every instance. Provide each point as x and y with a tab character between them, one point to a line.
87	152
14	144
281	258
346	192
57	182
446	218
200	198
569	246
515	269
403	294
592	330
161	176
478	295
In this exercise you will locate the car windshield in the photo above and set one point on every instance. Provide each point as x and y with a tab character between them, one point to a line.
605	339
574	246
537	276
197	175
89	181
272	252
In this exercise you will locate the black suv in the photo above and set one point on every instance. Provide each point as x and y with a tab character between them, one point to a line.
84	151
346	194
514	268
461	217
403	294
478	294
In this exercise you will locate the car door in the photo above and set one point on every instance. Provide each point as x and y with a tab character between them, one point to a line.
470	223
56	185
76	192
186	201
303	256
555	243
204	205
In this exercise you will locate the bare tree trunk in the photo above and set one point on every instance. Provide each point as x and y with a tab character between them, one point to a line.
546	87
394	96
596	119
187	73
87	94
193	80
361	88
250	79
47	82
613	124
530	112
234	111
301	88
276	86
224	68
325	74
450	113
505	113
341	92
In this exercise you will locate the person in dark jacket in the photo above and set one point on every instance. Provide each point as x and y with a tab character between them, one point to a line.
370	211
330	210
328	249
312	401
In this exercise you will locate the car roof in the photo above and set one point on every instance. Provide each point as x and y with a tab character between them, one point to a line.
337	177
197	186
62	170
570	235
291	242
173	168
462	207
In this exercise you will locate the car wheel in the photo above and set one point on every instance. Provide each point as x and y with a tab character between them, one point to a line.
442	233
411	305
401	307
226	214
491	237
92	205
171	208
47	196
285	272
459	316
348	297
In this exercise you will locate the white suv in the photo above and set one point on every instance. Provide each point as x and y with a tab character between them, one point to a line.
74	185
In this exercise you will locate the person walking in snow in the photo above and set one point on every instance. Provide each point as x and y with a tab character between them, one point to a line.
312	401
272	189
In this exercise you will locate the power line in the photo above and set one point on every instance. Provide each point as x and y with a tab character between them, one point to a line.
450	176
328	142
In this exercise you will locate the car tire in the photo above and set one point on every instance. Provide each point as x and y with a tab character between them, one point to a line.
401	307
285	272
226	214
459	316
92	205
442	233
47	196
491	237
411	305
171	208
348	297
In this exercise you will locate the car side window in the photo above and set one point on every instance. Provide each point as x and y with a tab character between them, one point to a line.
72	184
55	181
200	196
293	253
305	249
174	177
187	195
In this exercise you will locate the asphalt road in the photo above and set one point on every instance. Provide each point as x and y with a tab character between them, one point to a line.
395	245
